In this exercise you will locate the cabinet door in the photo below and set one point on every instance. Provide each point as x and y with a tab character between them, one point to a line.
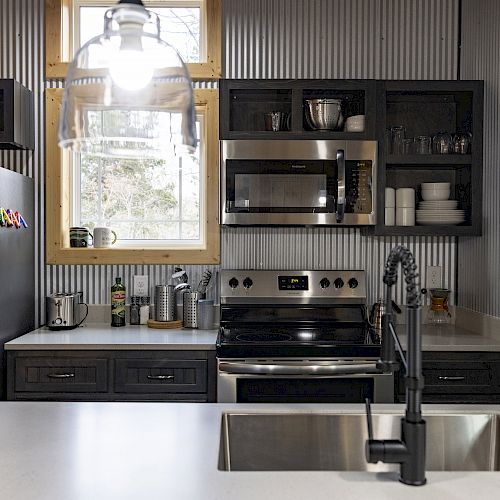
60	374
153	376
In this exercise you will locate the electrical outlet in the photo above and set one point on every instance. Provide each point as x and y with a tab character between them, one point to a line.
434	277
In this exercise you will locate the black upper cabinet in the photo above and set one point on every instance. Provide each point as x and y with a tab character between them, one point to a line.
426	108
245	103
422	107
17	122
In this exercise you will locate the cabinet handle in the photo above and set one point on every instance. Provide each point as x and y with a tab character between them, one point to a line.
60	375
160	377
452	379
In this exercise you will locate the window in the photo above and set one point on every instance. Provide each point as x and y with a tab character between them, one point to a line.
147	202
193	27
181	24
164	210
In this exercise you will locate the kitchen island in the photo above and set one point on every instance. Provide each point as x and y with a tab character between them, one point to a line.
106	451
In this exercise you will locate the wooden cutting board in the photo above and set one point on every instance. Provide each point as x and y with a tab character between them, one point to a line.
164	324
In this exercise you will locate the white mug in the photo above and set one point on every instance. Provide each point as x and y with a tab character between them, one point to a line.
104	237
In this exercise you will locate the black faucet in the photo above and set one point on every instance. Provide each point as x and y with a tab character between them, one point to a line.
409	451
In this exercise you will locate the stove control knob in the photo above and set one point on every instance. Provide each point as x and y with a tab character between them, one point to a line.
233	282
339	283
247	282
353	283
324	283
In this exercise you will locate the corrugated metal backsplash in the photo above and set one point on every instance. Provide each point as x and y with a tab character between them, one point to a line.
268	39
479	258
387	39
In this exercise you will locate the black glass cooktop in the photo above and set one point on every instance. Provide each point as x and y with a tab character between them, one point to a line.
293	341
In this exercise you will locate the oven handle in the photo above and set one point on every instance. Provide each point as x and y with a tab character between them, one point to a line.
299	370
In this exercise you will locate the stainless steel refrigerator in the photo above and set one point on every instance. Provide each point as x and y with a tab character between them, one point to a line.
17	263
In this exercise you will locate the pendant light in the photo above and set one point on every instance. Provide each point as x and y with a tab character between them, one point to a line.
128	93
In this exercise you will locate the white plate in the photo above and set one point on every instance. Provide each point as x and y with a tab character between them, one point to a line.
438	204
437	219
440	222
439	216
459	216
439	213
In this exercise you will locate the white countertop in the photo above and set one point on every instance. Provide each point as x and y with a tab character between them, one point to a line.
108	451
106	337
452	338
445	338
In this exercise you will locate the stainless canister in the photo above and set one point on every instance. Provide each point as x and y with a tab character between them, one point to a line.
165	302
206	314
190	308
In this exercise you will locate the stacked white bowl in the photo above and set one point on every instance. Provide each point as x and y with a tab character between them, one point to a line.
437	209
405	207
355	123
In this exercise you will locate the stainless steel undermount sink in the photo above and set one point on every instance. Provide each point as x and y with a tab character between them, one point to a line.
302	441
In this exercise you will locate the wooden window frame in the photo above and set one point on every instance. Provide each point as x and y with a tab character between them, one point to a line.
58	33
58	198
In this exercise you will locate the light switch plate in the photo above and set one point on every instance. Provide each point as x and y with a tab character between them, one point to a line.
141	286
434	277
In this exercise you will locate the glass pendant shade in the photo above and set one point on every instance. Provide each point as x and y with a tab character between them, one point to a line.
128	93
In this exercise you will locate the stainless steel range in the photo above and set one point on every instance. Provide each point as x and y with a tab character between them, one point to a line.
297	336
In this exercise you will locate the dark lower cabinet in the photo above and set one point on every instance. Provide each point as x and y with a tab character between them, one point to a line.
458	377
187	376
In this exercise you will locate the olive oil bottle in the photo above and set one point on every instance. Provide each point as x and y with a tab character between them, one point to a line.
118	303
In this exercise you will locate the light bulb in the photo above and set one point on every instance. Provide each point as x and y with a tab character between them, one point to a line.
130	70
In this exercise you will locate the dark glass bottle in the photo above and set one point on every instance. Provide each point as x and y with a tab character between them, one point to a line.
118	303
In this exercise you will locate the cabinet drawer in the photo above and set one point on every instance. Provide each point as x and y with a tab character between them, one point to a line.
458	377
155	376
464	377
60	374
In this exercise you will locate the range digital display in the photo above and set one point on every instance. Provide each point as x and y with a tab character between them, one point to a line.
293	282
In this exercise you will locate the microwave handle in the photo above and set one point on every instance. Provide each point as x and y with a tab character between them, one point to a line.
340	186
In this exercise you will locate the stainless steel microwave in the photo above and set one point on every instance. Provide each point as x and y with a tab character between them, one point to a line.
17	122
298	182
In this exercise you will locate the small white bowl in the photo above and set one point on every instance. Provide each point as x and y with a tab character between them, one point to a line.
436	185
354	128
436	195
356	118
355	123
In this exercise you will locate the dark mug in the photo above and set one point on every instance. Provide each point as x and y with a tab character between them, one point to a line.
79	237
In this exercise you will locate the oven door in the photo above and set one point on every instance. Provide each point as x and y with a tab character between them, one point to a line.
298	182
300	381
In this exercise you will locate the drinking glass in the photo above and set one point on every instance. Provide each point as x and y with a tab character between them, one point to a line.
423	145
408	146
398	135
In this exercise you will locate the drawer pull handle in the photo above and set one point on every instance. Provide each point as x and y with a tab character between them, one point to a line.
60	375
160	377
452	379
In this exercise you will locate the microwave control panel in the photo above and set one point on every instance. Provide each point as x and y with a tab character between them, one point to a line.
359	186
